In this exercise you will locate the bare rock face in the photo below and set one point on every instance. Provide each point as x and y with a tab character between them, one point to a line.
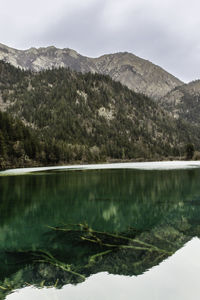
138	74
45	58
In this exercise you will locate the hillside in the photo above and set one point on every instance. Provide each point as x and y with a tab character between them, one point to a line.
138	74
18	144
90	117
184	102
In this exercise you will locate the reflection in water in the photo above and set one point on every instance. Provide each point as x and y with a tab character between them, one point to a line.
59	228
176	278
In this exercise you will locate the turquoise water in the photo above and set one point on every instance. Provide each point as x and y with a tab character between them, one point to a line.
59	228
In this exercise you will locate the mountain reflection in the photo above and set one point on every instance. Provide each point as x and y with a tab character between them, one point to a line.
60	227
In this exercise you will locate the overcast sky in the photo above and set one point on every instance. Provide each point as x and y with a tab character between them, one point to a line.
164	32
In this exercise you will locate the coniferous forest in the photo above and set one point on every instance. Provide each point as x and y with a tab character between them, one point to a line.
60	116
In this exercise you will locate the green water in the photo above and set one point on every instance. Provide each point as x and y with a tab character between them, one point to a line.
138	218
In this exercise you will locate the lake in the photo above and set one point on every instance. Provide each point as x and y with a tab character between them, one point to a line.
100	234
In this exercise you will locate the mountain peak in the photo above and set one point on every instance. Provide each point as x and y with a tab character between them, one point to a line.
137	73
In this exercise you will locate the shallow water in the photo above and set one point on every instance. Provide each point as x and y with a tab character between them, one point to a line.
141	220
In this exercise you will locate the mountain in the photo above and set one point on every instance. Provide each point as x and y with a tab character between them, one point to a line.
136	73
89	117
184	102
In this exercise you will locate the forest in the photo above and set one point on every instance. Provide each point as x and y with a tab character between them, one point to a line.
61	116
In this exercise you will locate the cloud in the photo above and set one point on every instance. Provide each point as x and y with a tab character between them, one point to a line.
165	32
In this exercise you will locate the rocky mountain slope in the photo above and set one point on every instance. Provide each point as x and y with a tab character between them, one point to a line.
90	117
138	74
184	102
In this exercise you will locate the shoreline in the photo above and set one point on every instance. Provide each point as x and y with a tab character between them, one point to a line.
156	165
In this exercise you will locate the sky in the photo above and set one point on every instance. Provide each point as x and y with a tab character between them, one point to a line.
164	32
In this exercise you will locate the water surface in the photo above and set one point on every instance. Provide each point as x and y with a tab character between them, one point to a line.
60	228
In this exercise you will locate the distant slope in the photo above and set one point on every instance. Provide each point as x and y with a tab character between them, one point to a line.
90	117
184	102
138	74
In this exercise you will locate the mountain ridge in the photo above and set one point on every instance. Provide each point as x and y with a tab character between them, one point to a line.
136	73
